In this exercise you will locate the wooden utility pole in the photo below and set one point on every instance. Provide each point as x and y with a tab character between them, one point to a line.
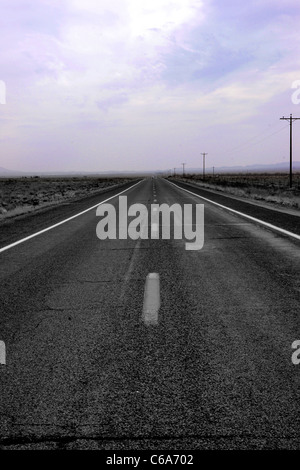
291	119
204	163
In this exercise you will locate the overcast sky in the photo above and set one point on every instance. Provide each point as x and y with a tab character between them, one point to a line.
101	85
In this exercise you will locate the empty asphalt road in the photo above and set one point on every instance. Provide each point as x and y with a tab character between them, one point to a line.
100	355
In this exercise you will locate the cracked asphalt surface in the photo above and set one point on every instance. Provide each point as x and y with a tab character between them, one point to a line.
84	372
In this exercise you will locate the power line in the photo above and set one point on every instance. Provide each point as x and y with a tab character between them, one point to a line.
276	132
235	149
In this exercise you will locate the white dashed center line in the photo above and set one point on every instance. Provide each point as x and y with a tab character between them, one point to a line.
151	299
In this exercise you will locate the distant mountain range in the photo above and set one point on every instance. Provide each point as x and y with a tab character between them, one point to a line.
4	172
255	168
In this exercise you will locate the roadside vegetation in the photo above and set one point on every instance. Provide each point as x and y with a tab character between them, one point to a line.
21	195
272	188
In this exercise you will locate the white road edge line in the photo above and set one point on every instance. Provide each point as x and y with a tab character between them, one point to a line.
266	224
64	221
151	303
